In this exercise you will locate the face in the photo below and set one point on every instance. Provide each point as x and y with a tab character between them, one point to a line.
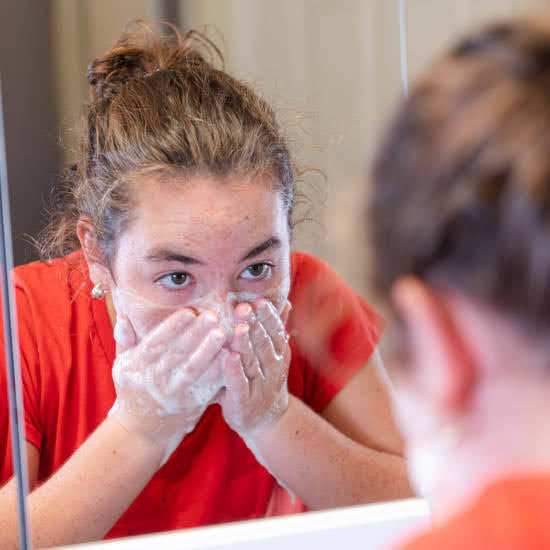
203	243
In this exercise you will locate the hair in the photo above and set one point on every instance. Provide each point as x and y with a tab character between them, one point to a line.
161	105
461	193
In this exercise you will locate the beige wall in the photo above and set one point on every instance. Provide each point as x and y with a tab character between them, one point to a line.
80	31
330	66
337	64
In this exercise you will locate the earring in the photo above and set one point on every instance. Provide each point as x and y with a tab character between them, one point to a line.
98	292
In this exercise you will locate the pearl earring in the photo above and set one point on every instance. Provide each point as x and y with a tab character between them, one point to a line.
98	292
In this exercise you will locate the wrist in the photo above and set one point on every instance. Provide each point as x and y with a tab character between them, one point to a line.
161	433
271	421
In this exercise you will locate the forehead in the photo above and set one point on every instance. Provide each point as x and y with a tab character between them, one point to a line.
212	206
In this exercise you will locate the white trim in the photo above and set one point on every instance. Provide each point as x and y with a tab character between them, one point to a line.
375	523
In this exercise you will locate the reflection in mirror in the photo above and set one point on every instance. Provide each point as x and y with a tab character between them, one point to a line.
183	366
169	379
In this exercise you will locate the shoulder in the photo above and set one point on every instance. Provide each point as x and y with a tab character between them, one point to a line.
332	327
304	266
316	287
46	278
313	278
48	291
509	514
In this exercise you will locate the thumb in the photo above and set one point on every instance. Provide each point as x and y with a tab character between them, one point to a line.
124	334
286	312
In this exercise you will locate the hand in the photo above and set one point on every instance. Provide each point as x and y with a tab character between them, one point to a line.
165	383
256	370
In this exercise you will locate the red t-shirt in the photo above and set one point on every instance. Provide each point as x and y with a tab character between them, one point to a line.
67	351
509	515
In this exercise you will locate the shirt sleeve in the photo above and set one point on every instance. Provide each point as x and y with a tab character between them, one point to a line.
30	385
333	330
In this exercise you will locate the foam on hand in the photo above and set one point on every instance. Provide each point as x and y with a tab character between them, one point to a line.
145	314
224	308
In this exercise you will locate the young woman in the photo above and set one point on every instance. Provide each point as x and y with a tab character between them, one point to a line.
461	224
239	367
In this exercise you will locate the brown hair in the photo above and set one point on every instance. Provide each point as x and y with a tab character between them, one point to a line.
158	103
462	181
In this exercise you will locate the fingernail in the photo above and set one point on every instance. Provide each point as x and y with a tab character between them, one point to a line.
242	327
218	334
210	317
243	311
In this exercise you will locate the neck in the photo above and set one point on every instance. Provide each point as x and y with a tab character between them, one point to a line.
504	436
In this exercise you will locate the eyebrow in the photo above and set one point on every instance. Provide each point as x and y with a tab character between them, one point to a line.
166	255
272	242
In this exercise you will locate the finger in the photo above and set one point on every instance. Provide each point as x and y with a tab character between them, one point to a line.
264	349
274	366
287	308
272	323
124	334
201	358
235	380
241	344
213	375
242	312
167	331
190	339
287	356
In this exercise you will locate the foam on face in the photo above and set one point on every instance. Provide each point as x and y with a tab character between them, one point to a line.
224	308
145	314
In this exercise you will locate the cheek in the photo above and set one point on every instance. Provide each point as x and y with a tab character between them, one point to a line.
143	314
279	294
132	295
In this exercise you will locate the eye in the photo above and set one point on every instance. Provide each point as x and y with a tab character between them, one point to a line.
174	280
257	271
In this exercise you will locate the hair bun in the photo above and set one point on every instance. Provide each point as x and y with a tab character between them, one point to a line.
140	52
121	64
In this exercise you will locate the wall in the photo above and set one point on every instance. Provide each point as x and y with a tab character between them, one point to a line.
30	121
333	69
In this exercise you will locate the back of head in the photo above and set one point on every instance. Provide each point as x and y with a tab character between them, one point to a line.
160	105
462	181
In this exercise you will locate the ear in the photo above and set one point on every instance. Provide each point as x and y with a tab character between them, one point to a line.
441	363
95	258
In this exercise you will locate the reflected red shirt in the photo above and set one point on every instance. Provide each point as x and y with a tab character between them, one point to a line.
67	351
509	515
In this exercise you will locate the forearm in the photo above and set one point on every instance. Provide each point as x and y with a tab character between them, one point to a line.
85	498
324	467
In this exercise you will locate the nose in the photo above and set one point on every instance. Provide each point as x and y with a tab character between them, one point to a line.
223	303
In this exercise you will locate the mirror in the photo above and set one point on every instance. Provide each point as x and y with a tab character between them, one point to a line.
331	70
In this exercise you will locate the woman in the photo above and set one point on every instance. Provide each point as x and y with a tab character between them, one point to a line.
461	226
175	231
